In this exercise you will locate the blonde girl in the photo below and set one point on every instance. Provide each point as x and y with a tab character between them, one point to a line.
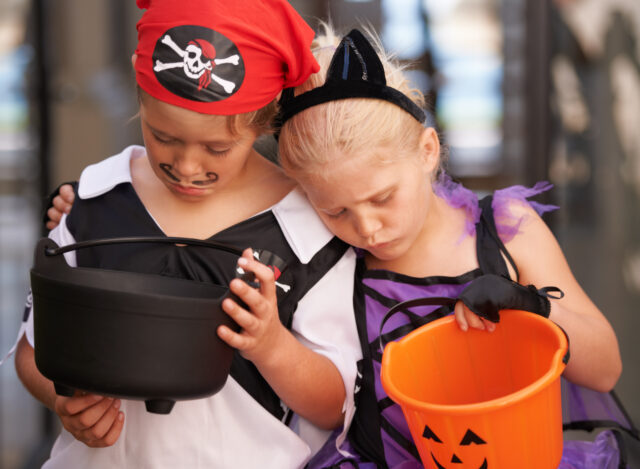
354	138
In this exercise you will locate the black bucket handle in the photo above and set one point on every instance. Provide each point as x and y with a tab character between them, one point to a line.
437	314
426	301
51	251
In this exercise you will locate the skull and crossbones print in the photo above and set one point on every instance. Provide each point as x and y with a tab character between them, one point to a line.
198	61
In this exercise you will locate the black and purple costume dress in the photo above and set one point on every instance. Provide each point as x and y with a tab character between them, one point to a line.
378	435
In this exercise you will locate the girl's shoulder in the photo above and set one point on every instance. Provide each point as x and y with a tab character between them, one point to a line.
510	206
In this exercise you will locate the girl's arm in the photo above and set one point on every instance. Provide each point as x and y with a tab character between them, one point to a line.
595	357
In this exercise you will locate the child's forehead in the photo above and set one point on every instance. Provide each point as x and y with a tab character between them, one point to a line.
178	122
365	157
359	174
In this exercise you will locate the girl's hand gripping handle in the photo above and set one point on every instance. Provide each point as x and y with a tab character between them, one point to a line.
488	294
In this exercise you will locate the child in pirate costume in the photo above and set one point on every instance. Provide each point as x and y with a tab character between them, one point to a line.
354	138
208	74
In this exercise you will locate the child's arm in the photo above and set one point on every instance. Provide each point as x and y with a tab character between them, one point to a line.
307	382
595	357
94	420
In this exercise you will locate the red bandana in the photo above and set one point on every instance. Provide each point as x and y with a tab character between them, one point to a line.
221	56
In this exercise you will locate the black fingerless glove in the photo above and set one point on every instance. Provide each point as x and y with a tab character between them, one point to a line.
489	294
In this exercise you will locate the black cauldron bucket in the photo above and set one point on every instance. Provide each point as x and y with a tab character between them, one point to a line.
125	334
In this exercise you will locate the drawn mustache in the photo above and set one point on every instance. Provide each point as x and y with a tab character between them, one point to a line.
168	170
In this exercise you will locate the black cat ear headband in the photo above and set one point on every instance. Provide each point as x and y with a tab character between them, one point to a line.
355	72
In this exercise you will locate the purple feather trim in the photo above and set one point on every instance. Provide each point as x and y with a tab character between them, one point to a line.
459	196
508	225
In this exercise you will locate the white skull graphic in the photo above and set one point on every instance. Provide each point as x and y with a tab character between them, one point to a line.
194	67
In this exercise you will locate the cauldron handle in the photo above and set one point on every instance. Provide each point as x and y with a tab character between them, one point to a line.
54	251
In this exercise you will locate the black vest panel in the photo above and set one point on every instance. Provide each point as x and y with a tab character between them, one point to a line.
120	213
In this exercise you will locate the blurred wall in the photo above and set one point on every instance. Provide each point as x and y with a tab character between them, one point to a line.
91	82
595	162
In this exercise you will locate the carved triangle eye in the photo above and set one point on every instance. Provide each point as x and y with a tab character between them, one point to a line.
429	435
471	437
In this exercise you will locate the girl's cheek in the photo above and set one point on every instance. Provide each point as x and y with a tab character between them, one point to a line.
344	231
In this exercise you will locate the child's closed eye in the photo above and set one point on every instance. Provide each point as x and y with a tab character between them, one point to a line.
217	152
163	140
336	214
383	200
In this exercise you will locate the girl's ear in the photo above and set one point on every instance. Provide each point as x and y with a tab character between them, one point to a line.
430	146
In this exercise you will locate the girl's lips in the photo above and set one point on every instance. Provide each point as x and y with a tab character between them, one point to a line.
380	245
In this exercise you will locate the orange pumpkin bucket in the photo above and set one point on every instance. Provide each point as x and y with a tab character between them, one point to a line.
480	400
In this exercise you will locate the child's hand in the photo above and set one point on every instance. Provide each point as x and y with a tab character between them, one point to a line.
61	204
467	318
482	300
261	326
94	420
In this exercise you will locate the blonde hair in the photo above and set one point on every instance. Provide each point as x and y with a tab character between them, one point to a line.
260	120
309	139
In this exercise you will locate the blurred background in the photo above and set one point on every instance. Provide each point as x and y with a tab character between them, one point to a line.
522	91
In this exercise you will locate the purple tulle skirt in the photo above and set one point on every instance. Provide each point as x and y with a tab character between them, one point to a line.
602	453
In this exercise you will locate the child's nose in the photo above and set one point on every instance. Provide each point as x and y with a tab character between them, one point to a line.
187	164
367	225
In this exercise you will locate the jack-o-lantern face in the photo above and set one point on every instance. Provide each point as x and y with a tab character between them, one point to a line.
469	438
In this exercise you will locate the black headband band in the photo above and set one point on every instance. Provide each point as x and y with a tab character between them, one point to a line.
355	72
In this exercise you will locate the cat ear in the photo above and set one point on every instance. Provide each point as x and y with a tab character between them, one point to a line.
355	71
355	59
